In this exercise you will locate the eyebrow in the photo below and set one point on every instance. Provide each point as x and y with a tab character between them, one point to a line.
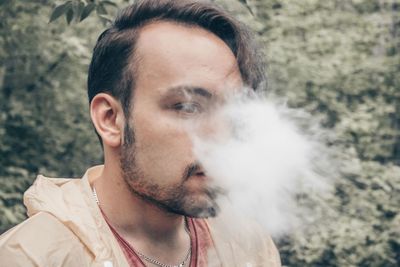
189	89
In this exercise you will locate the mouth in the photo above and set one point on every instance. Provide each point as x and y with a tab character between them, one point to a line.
200	173
195	170
200	176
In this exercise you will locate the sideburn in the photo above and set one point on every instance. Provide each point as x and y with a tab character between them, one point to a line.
129	136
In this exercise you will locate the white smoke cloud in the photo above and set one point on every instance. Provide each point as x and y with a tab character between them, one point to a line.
264	160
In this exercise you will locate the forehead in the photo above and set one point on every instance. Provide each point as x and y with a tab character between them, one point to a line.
171	54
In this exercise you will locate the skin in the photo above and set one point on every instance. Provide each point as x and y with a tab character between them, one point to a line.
143	189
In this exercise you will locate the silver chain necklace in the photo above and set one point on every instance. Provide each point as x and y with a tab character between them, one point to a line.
160	264
146	258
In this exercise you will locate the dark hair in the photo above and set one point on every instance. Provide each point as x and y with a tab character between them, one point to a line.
112	69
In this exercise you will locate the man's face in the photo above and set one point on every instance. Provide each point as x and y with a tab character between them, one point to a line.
182	72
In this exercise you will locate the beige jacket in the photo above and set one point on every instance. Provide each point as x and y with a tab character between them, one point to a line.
66	228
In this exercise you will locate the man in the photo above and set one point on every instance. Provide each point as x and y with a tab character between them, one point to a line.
161	64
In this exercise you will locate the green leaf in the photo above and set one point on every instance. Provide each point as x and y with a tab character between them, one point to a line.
101	10
87	10
110	3
79	9
106	19
60	10
5	2
246	4
69	15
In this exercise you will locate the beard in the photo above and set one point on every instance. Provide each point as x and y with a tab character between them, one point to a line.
174	198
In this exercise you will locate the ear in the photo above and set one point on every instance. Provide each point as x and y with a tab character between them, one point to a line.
108	119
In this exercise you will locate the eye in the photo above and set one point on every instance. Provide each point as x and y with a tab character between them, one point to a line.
187	107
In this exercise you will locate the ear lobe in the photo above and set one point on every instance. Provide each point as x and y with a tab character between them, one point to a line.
108	119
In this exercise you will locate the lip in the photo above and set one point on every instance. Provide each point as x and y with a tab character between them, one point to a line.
195	172
200	176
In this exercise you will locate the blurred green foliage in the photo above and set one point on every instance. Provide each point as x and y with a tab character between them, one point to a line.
44	124
340	60
337	59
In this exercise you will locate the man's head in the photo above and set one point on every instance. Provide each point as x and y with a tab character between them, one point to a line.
159	66
114	63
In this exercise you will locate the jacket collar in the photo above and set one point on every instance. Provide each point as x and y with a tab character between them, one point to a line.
71	201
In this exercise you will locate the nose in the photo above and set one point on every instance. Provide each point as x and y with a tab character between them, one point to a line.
213	126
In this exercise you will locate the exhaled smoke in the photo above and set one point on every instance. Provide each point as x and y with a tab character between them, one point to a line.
266	156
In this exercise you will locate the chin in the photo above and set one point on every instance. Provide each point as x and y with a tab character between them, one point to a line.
201	208
206	213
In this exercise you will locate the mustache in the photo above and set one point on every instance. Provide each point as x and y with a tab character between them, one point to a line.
192	169
212	192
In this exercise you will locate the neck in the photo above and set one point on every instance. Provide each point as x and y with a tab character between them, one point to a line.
147	226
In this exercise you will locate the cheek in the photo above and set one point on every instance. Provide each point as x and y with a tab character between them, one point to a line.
163	147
